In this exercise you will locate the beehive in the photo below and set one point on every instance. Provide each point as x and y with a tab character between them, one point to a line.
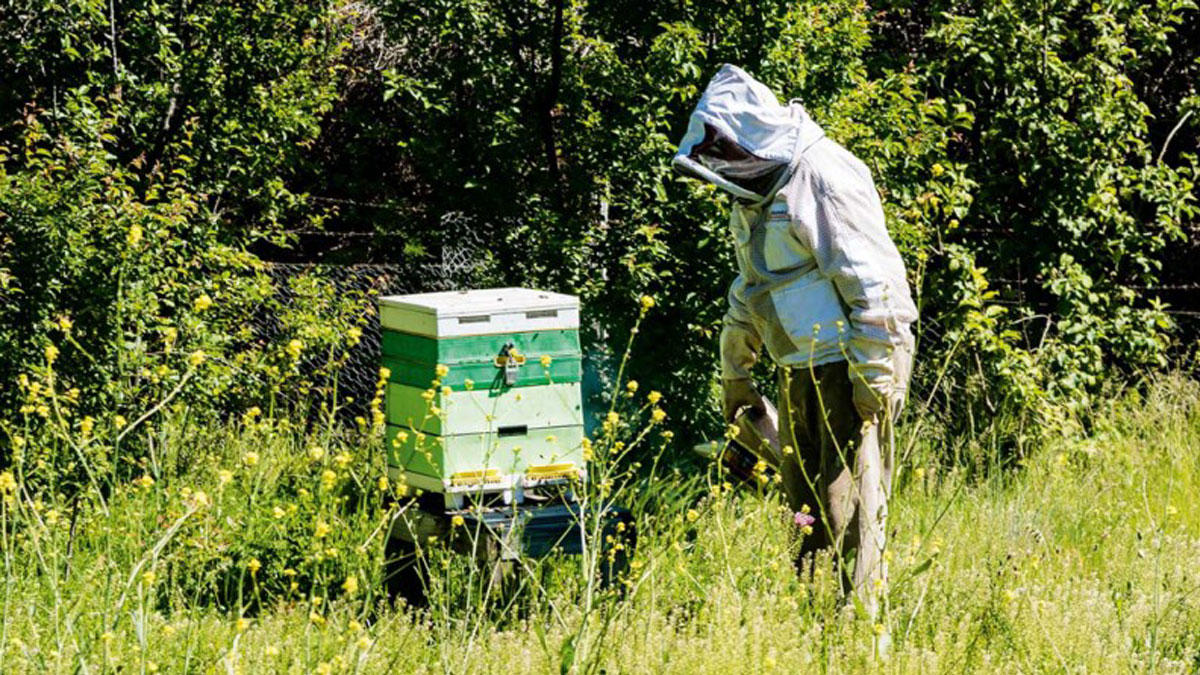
483	392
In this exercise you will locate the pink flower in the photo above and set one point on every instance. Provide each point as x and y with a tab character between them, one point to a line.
804	519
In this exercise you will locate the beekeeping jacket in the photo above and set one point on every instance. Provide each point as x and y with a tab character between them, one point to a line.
819	278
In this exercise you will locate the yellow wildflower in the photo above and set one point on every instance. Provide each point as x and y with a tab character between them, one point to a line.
278	513
658	415
457	521
196	358
692	515
254	566
632	386
294	347
343	459
385	373
149	577
383	483
469	384
654	397
224	476
86	425
647	302
315	453
546	360
320	621
202	302
612	419
442	370
328	478
250	458
350	585
119	421
134	236
242	624
321	530
51	353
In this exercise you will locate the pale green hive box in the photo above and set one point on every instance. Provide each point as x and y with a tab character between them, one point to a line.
504	413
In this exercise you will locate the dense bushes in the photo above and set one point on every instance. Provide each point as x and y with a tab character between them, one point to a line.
1022	152
137	165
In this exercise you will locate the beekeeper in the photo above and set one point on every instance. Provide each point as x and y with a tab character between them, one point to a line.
821	285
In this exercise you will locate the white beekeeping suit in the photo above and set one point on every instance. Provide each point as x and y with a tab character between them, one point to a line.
821	285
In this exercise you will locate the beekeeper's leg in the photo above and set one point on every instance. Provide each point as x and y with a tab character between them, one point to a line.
871	484
819	422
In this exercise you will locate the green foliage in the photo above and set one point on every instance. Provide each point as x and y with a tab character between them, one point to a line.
228	93
153	150
119	297
1036	164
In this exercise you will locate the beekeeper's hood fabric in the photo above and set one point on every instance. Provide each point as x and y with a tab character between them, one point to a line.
741	138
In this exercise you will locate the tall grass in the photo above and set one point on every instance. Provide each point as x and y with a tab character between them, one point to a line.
257	546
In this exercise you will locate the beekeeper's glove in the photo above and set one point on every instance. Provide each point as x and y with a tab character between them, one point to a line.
871	398
740	393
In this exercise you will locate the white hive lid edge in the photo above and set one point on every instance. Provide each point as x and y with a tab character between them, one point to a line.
480	301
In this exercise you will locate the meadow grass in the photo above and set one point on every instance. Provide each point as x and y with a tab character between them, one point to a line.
256	547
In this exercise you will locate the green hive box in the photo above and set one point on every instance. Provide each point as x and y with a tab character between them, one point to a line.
483	392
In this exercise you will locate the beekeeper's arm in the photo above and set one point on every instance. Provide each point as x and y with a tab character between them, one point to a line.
849	239
740	347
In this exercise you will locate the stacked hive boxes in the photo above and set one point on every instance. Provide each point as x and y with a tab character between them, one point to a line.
483	394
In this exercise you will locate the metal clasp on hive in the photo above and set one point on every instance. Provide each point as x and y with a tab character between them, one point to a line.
510	360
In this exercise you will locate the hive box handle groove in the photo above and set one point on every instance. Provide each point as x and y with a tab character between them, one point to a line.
517	430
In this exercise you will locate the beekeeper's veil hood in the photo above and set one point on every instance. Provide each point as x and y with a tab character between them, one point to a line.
741	139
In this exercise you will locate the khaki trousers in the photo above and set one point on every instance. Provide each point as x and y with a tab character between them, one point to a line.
840	468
